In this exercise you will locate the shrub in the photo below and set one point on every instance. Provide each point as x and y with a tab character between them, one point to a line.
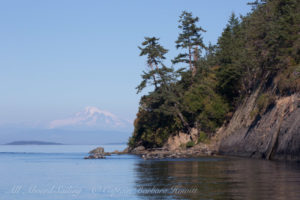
263	102
190	144
202	137
254	113
288	81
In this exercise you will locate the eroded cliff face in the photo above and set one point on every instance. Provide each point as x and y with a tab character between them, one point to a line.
274	135
176	141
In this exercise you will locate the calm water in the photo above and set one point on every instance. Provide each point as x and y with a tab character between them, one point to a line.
60	173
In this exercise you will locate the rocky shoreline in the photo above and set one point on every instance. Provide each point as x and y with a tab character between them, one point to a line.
162	153
199	150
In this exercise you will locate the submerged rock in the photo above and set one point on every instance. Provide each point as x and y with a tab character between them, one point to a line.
95	156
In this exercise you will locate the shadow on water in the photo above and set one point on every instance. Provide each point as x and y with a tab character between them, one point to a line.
217	178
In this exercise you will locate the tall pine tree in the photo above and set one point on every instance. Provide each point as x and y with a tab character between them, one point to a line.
155	55
190	39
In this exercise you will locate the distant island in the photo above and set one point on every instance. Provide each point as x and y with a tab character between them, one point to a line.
32	143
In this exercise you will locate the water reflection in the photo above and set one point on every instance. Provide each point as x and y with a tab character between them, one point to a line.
217	178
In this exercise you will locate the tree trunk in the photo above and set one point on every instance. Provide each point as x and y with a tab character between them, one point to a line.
154	79
190	59
195	61
185	124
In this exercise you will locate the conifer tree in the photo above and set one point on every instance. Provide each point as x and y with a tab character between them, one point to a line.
190	39
228	55
155	55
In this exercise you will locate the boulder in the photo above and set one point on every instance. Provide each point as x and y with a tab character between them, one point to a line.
97	153
139	150
99	150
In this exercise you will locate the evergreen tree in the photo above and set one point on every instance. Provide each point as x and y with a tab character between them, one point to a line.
155	55
154	51
189	39
163	78
261	49
228	54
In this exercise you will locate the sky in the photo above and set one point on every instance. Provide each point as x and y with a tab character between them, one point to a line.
59	56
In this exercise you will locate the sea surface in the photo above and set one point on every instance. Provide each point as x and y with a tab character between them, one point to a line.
59	172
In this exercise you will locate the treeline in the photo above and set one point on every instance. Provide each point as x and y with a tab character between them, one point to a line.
205	84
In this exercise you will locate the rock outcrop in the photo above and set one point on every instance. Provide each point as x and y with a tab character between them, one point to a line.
97	153
181	151
275	134
138	150
176	141
193	152
176	147
162	153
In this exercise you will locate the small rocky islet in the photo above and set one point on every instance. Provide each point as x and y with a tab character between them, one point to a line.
99	153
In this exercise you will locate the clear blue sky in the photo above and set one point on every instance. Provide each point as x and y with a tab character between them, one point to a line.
58	56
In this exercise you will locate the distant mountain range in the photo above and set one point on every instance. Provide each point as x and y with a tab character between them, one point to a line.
89	126
91	118
32	143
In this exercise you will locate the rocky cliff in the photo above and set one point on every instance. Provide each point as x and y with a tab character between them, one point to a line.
273	134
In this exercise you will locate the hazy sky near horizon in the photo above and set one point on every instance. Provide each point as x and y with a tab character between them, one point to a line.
59	56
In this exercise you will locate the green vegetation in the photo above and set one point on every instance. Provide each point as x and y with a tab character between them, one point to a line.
208	83
189	144
289	80
202	137
189	39
264	101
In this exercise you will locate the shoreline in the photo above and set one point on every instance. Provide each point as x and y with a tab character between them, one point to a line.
161	153
197	151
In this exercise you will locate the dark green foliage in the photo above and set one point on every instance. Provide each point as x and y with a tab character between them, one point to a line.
190	144
189	39
153	128
288	81
259	47
202	137
261	50
160	111
154	51
231	57
204	106
273	32
155	56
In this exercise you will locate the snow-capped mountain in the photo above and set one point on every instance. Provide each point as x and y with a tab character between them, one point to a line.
92	118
